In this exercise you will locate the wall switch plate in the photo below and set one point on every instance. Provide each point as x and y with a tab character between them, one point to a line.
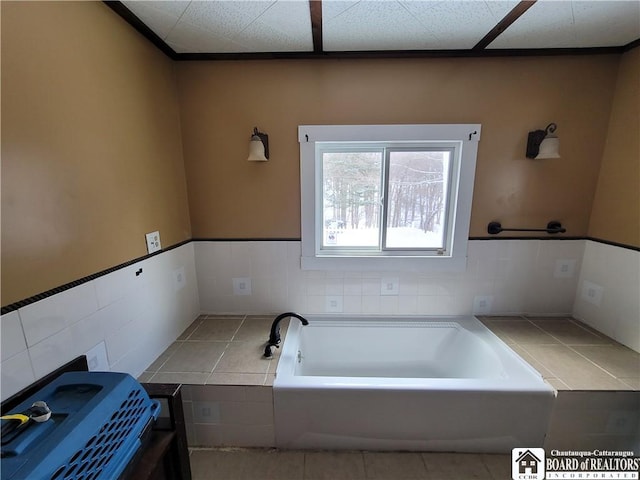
592	293
97	358
389	286
179	279
482	304
242	286
564	269
153	242
333	304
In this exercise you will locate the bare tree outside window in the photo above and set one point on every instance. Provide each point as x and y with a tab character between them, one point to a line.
417	190
351	198
415	196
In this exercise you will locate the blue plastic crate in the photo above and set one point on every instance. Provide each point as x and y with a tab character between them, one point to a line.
97	419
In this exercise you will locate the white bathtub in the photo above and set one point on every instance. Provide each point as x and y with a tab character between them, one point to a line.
406	383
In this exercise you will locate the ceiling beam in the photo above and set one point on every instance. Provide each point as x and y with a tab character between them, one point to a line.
509	18
136	23
315	7
373	54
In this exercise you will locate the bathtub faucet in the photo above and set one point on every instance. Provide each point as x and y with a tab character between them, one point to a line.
274	336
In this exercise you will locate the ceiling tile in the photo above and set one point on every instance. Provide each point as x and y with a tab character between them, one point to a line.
160	17
458	24
290	17
573	24
260	37
187	38
371	25
331	8
620	21
225	18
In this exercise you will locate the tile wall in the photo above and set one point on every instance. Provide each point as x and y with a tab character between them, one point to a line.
126	321
229	415
502	277
608	292
591	420
122	320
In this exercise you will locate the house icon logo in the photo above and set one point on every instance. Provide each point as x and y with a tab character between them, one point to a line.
527	463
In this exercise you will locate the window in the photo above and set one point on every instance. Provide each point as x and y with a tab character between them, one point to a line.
386	196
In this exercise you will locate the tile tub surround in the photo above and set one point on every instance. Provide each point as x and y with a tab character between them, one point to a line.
615	309
217	350
227	349
230	403
124	320
569	354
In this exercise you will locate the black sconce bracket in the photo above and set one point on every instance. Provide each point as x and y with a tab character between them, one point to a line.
553	227
536	137
264	138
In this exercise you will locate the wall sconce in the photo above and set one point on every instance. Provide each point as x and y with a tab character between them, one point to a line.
258	147
543	143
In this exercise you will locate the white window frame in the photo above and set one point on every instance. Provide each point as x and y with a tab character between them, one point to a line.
465	137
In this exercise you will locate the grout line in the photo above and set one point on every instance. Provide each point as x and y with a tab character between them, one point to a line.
244	318
570	347
555	375
591	361
220	358
199	320
635	389
594	333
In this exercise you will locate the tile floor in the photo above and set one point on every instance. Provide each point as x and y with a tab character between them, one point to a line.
266	464
227	349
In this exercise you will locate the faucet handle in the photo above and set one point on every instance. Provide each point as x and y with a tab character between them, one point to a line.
268	352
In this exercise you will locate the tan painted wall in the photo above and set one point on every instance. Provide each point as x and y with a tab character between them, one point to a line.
222	101
616	208
91	148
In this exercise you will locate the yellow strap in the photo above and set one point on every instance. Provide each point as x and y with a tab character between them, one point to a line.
16	416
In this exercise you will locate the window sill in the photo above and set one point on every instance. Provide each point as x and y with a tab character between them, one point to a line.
377	263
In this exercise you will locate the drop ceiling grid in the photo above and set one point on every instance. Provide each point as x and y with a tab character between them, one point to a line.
252	26
573	24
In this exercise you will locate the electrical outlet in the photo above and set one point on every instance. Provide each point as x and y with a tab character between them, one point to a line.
389	286
592	293
206	412
621	422
179	279
564	269
482	304
333	304
242	286
97	358
153	242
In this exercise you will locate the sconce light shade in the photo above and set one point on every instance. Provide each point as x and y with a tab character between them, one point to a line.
258	147
543	143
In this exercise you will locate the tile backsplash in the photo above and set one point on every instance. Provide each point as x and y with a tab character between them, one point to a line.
509	276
